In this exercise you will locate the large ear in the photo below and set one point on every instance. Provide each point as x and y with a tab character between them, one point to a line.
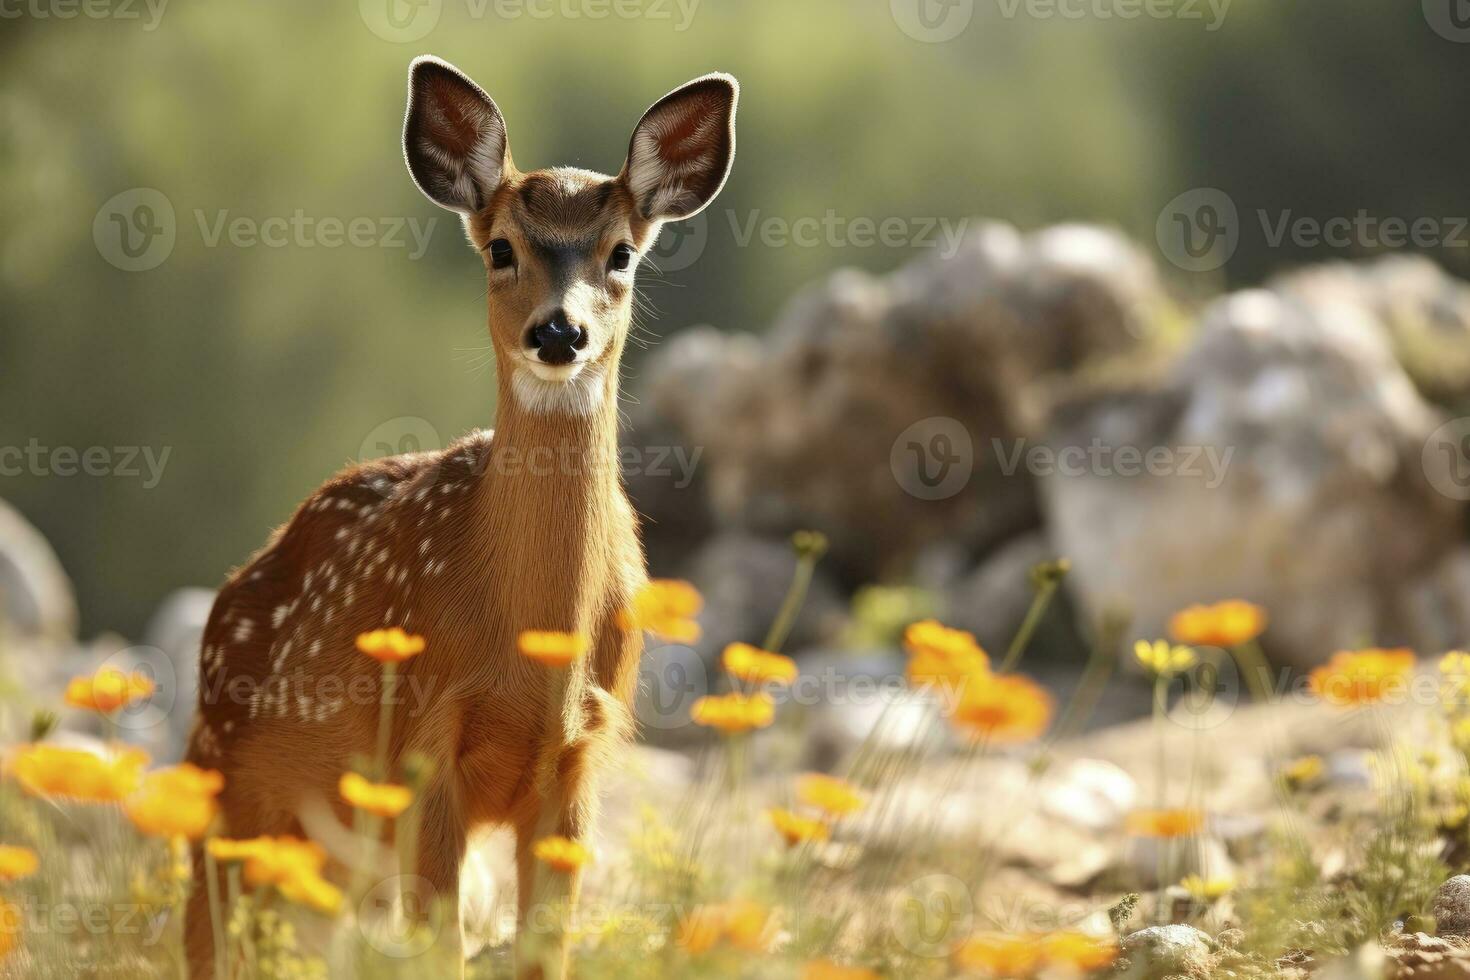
453	137
683	148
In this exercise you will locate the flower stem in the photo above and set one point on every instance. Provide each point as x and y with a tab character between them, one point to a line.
1044	592
385	719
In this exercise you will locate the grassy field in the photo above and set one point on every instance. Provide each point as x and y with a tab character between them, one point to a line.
746	870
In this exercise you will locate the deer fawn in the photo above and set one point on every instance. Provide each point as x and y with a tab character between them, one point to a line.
527	528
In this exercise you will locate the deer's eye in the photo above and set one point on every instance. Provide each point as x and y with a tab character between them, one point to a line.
621	258
501	254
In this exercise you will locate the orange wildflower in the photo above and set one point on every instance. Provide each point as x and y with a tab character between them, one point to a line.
381	799
1361	677
827	970
1224	624
49	771
997	954
742	923
1166	823
666	608
941	655
291	865
561	853
17	862
734	713
9	928
176	802
1078	951
108	690
390	646
551	648
796	828
1005	709
836	797
756	666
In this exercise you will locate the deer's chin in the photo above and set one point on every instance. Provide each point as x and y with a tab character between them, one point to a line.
573	389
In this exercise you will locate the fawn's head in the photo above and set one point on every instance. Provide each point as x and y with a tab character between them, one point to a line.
561	246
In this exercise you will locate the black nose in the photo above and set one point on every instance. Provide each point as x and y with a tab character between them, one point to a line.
557	340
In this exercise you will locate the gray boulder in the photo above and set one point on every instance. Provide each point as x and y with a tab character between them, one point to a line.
36	597
1281	460
1169	951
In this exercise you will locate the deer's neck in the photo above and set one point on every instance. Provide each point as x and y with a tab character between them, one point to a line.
550	505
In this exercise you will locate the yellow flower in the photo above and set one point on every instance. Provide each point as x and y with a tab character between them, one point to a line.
108	690
1005	709
796	828
1303	772
313	891
1078	951
1162	659
176	802
561	853
292	865
1000	955
943	656
1455	662
757	666
390	646
734	713
48	771
1207	890
742	923
551	648
837	797
1353	678
17	862
1165	823
666	608
1225	624
10	921
827	970
747	925
700	930
381	799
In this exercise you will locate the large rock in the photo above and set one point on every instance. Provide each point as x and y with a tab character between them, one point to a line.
1287	467
36	597
1425	311
1169	951
867	393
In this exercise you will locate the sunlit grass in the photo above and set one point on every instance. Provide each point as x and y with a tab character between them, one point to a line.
773	874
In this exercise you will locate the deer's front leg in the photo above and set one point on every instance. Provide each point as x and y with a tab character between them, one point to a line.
441	851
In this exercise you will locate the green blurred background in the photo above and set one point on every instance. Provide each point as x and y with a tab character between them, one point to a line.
263	369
